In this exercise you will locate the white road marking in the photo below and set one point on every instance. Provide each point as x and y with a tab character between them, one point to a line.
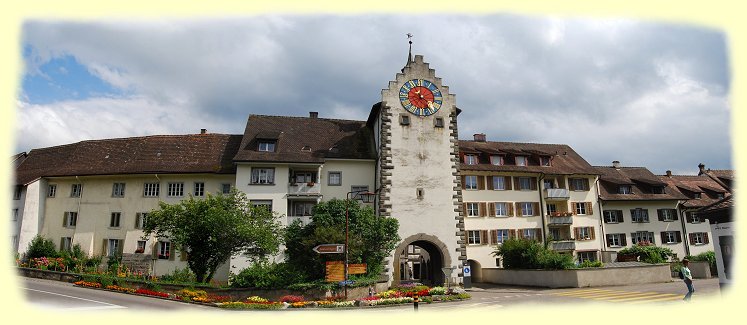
94	301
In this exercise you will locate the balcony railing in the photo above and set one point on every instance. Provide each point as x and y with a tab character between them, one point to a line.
304	188
305	220
560	220
564	245
556	194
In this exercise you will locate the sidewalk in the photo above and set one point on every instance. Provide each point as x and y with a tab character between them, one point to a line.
704	286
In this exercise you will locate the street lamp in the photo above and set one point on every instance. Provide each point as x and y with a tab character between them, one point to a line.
366	197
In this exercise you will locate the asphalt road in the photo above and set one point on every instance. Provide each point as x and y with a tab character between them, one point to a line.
61	296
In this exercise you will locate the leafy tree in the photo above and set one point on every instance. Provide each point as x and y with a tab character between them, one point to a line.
370	238
216	228
40	247
530	254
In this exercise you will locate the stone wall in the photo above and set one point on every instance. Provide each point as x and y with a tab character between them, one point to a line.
579	278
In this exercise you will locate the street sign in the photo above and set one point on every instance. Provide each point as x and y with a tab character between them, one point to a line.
357	268
467	272
346	283
335	271
329	248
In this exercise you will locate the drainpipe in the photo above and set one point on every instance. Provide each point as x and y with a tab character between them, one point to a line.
685	237
542	207
602	236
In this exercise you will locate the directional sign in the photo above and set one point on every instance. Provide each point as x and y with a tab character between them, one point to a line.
346	283
357	268
335	271
329	248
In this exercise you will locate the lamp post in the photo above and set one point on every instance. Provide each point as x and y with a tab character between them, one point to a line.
364	196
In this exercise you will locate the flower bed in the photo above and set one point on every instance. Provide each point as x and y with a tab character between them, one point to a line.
151	293
120	289
251	305
88	284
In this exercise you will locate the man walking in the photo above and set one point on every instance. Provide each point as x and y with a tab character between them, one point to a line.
688	278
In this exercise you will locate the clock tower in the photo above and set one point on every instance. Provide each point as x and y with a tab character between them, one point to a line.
418	175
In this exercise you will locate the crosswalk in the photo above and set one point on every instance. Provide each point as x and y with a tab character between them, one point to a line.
620	296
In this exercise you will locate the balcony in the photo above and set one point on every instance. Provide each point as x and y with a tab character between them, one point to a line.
556	194
304	189
305	220
556	221
564	245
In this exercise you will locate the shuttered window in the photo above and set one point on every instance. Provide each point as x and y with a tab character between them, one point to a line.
667	214
579	184
616	240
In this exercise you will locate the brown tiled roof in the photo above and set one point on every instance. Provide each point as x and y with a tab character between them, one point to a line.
725	203
722	173
163	154
327	138
688	185
641	181
564	160
17	159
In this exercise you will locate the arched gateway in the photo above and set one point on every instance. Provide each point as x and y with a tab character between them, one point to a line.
419	258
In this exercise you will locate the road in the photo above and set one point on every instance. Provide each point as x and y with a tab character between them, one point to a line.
65	296
486	297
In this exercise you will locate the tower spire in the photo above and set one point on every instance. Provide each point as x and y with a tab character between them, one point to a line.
409	54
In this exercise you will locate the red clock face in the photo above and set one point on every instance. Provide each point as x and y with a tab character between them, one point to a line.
420	96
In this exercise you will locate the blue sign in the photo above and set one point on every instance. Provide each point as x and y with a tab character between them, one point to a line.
466	271
346	283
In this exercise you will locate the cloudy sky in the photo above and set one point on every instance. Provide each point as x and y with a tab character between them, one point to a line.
644	93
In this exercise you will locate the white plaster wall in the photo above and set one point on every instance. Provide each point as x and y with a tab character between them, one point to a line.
354	173
15	225
32	218
700	227
723	229
421	155
654	225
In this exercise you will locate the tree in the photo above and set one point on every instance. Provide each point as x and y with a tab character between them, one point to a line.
40	247
216	228
371	238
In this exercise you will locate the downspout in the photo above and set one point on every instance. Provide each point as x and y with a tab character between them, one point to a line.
602	236
542	208
685	236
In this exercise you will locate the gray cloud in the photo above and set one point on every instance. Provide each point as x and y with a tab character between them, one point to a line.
644	93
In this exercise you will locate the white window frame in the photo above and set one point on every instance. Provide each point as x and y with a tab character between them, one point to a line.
470	159
266	145
501	235
624	189
470	185
586	256
52	190
608	214
584	233
615	240
671	237
499	183
668	214
305	208
527	207
66	244
521	160
580	208
140	219
545	161
695	218
640	215
225	188
639	236
551	208
473	209
334	178
118	189
112	247
265	203
578	184
76	190
71	219
199	189
175	189
501	209
151	189
496	160
164	250
473	237
530	233
115	220
525	180
262	176
698	238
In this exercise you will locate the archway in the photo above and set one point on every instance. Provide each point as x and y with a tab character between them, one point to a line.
476	270
419	258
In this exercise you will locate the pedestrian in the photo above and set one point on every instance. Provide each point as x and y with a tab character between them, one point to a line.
688	278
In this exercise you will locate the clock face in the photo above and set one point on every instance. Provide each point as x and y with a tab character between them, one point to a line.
420	97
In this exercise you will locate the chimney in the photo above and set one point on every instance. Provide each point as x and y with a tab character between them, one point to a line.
203	131
616	164
479	137
669	173
313	114
701	166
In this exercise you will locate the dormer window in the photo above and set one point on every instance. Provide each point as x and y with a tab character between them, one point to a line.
624	189
720	195
306	148
545	161
696	195
470	159
658	189
266	146
496	160
521	160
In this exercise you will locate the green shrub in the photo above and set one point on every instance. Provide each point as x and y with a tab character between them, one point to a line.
184	275
40	247
588	264
113	262
265	275
708	256
530	254
648	253
74	258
